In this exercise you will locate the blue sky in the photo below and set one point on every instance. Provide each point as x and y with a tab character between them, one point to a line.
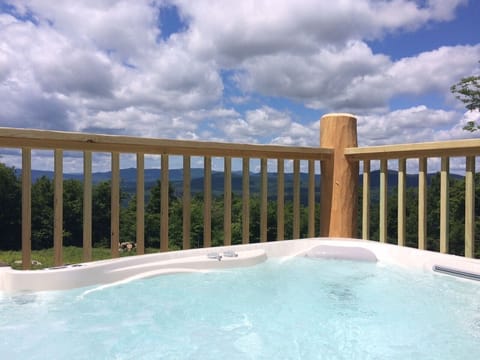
237	71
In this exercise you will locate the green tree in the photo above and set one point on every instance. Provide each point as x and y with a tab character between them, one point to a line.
101	214
152	215
42	214
153	205
196	227
72	213
467	90
128	221
10	205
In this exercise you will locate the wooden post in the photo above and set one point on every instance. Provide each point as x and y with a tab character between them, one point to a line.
26	208
187	197
87	206
115	206
402	202
245	200
140	231
339	178
444	204
383	209
227	201
470	207
263	199
280	199
366	201
422	203
207	201
58	208
164	185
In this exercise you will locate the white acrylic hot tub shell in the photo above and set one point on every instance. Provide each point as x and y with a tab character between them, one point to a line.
123	269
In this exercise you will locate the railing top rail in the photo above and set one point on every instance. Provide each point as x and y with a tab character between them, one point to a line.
451	148
46	139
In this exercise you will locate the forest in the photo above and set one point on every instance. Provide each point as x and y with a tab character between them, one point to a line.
42	215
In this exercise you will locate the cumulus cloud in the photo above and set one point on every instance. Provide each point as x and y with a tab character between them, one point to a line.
259	123
104	66
321	80
456	131
5	66
32	109
353	79
429	71
75	71
84	62
123	28
299	135
170	79
410	125
256	28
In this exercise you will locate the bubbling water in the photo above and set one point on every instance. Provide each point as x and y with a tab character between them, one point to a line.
294	309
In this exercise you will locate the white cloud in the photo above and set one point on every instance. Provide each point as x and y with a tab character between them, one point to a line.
61	66
353	79
136	122
252	28
171	79
214	113
410	125
321	80
74	71
101	66
456	131
429	71
258	123
444	10
123	28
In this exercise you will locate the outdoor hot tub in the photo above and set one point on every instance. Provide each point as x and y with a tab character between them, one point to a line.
298	299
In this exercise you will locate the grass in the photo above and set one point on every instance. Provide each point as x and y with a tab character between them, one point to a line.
71	255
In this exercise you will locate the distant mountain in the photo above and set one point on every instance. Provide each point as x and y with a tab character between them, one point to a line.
392	178
127	175
129	179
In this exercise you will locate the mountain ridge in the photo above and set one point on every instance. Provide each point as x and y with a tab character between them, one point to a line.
128	178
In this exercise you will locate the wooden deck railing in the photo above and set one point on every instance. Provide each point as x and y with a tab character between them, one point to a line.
339	158
444	150
116	145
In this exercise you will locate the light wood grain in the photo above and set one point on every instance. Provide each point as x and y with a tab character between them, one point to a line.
280	199
207	202
44	139
339	186
296	199
87	206
402	203
444	205
115	205
311	198
140	213
26	208
187	211
245	200
227	201
416	150
470	207
383	200
422	203
366	201
263	200
164	199
58	208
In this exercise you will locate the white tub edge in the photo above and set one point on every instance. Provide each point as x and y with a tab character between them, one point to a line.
109	271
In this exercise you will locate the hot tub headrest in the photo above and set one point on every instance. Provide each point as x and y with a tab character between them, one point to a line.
341	253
